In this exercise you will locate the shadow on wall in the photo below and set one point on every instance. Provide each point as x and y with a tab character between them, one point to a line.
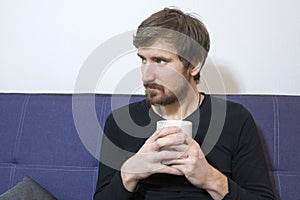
218	80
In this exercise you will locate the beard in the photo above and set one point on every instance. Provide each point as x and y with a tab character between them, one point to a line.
164	96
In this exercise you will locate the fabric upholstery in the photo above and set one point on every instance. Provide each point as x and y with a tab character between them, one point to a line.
39	139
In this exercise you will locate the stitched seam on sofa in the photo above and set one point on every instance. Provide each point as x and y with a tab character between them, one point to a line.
18	139
20	128
95	178
55	167
102	119
276	132
288	173
6	165
12	175
276	142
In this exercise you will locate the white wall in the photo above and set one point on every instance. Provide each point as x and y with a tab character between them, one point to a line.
44	44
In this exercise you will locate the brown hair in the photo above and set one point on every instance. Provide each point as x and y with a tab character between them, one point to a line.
187	33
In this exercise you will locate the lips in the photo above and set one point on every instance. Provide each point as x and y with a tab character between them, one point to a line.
153	89
153	86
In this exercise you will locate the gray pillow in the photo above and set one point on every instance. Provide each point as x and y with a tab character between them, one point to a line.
27	189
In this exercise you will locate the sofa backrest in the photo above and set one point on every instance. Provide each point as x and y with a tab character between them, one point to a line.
39	139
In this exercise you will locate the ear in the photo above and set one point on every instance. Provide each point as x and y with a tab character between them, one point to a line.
194	70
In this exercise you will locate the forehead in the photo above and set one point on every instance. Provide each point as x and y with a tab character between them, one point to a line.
160	48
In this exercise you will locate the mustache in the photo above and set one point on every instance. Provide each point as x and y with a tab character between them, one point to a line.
153	85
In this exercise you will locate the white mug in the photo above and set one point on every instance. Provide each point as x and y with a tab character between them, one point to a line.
186	126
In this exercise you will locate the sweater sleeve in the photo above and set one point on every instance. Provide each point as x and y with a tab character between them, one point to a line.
109	184
250	177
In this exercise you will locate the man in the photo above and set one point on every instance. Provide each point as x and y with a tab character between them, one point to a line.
173	47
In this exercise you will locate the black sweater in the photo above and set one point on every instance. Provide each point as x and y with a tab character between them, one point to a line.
226	133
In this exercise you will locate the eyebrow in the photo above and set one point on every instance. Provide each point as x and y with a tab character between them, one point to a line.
156	57
139	55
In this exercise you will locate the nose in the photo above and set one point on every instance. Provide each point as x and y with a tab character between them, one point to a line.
148	73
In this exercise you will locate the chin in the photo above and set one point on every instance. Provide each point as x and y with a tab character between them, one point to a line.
152	99
160	100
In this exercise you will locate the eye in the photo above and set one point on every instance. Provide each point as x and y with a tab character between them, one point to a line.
160	61
144	61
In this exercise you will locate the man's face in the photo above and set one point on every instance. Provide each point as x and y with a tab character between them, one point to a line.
163	75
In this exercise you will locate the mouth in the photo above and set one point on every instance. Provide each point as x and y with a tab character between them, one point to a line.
153	87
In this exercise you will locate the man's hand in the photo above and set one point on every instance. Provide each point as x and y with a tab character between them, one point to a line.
151	157
198	171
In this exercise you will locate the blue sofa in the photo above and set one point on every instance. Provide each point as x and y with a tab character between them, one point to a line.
39	139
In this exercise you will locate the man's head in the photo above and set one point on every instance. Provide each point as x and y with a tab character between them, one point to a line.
187	35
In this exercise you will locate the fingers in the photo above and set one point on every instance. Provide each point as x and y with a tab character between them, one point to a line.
169	140
169	170
164	156
164	132
154	144
189	153
182	145
179	147
177	162
169	136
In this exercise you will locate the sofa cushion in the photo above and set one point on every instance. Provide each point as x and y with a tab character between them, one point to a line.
27	189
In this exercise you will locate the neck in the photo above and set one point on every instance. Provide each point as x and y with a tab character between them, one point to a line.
179	110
